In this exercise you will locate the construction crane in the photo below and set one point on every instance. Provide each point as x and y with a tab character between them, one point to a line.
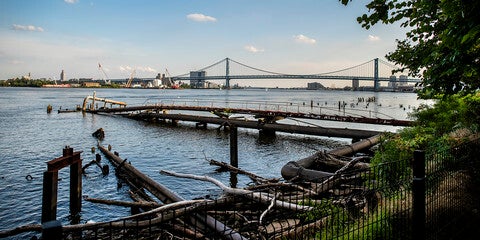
105	79
129	82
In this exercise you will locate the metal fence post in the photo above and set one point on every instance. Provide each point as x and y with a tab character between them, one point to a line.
418	192
52	230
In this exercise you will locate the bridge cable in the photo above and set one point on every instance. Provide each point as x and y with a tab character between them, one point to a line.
258	69
345	69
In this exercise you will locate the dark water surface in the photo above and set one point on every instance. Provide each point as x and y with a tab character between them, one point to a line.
29	137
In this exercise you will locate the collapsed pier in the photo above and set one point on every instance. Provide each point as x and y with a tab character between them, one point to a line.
266	119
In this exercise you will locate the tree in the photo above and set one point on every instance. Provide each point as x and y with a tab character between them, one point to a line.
442	46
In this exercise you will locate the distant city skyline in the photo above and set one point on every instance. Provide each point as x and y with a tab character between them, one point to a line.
298	37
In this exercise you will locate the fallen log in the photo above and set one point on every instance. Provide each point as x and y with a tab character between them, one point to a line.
100	134
141	204
166	196
21	229
259	196
295	170
282	185
254	177
328	183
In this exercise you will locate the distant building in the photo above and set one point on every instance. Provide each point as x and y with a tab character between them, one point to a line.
403	80
91	84
392	83
197	79
315	86
27	77
62	76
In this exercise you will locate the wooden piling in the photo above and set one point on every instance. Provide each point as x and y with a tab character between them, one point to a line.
234	146
233	154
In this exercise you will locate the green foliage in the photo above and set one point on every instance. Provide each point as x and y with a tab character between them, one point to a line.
376	227
22	82
442	45
389	163
437	129
320	210
450	113
336	218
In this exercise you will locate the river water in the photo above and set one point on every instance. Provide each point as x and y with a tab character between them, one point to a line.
29	137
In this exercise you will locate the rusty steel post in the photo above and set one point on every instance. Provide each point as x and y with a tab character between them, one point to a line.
49	198
76	185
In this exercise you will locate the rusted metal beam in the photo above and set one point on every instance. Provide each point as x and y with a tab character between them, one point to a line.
50	184
317	131
63	161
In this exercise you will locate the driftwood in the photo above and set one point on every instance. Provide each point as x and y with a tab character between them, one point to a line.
141	204
21	229
167	212
299	170
166	195
233	169
100	134
328	183
105	169
283	185
262	197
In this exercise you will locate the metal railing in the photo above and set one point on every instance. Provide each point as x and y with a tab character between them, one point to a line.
312	107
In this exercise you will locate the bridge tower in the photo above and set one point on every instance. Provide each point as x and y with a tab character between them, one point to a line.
227	73
376	83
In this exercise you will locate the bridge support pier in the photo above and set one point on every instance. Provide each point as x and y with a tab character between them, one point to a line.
376	82
227	73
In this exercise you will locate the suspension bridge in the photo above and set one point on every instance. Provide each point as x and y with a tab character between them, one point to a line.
375	70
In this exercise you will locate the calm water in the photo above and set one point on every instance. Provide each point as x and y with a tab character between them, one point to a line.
29	137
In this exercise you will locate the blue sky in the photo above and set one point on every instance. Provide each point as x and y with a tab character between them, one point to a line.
288	36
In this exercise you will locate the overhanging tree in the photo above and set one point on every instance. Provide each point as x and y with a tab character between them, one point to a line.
442	46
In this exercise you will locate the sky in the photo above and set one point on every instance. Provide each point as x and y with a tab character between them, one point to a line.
288	36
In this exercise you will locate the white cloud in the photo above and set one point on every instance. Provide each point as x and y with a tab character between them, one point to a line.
198	17
253	49
125	68
71	1
304	39
373	38
145	69
15	62
27	28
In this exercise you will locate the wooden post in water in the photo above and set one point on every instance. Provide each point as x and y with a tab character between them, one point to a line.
233	154
233	146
